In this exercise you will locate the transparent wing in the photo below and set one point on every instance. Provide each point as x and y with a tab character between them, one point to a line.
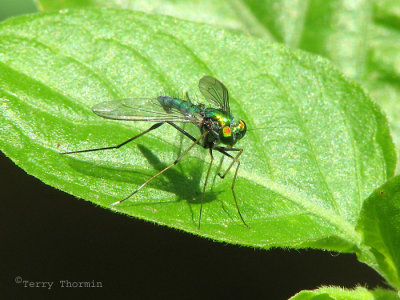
140	109
214	91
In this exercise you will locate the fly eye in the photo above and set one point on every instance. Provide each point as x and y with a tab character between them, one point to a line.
241	125
226	131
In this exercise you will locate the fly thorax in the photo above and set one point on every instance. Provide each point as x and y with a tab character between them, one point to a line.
211	139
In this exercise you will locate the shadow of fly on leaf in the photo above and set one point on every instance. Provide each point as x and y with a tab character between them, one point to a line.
185	185
219	129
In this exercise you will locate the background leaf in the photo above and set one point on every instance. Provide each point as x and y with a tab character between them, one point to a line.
379	226
361	37
359	293
14	8
234	15
321	148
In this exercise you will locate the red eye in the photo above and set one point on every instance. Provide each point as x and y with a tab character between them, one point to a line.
227	131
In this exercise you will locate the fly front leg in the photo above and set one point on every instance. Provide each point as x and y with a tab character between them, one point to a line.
233	189
224	150
234	159
218	169
220	165
205	184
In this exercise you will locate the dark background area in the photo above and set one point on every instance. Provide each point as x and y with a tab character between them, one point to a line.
48	235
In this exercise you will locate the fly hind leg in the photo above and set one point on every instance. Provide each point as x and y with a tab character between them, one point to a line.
163	170
155	126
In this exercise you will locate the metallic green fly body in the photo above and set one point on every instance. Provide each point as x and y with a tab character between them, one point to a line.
219	129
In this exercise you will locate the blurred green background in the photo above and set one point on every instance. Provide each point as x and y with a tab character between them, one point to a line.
11	8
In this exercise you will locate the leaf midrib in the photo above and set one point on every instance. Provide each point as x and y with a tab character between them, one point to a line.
297	198
316	210
329	216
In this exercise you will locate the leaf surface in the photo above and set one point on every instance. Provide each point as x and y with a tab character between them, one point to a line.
361	37
332	293
319	146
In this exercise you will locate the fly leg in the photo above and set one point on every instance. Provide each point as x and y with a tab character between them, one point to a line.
205	184
182	131
163	170
224	150
155	126
220	165
218	169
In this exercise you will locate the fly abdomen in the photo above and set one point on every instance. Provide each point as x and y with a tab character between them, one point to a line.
184	107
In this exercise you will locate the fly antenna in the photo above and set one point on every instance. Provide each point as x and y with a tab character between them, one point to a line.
269	127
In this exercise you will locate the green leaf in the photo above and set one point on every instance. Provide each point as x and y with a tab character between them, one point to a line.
334	293
379	226
361	37
319	146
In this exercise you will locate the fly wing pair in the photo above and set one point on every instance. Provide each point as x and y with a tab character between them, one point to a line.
215	92
139	109
150	109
